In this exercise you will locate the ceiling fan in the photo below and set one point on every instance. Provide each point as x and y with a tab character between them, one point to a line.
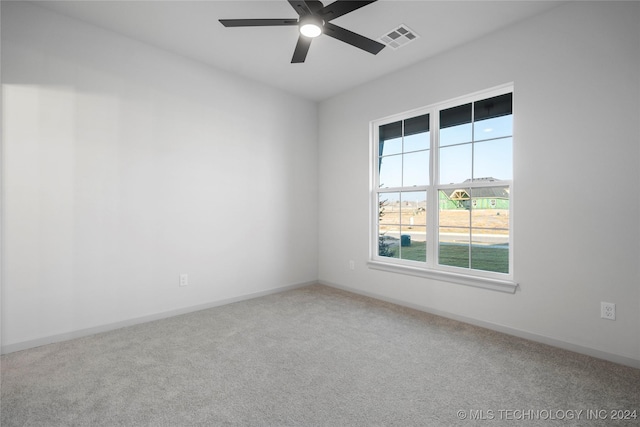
314	20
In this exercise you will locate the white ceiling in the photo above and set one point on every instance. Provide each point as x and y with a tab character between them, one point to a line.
191	29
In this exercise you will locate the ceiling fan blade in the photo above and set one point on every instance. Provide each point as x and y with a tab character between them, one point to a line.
302	47
352	38
300	7
339	8
257	22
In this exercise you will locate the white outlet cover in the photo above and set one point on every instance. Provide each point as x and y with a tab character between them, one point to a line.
184	279
608	310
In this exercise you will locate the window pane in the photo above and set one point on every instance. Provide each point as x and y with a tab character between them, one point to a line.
390	138
390	146
419	141
490	258
389	208
492	159
453	248
455	164
418	124
490	207
416	133
414	206
390	171
445	200
416	169
457	199
455	135
490	229
390	131
490	236
496	106
455	125
450	220
455	116
389	224
493	128
413	243
388	246
454	220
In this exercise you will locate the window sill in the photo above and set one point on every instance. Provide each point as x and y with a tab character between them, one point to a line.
506	286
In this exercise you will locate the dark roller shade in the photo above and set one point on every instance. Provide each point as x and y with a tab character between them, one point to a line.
455	116
493	107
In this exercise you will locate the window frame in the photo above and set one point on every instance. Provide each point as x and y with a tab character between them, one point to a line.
503	282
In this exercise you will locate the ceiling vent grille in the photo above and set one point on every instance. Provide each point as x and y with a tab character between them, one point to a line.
398	37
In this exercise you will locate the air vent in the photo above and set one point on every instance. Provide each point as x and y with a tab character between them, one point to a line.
398	37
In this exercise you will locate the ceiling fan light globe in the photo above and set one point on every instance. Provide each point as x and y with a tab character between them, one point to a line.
310	30
310	26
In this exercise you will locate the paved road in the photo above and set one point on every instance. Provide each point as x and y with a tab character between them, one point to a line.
480	239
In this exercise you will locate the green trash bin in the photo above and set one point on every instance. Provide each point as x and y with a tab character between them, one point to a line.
405	240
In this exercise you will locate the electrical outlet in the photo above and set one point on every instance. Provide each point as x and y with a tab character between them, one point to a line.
184	279
608	310
352	265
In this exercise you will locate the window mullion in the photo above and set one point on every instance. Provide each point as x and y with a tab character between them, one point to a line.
473	177
432	194
402	190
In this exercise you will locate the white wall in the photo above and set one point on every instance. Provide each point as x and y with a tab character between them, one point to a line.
576	173
125	165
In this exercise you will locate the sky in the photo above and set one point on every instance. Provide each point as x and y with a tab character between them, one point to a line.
479	150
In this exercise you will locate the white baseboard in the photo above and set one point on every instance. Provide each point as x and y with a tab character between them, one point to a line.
5	349
622	360
24	345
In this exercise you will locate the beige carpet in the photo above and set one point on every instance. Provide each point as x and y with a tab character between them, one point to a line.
314	356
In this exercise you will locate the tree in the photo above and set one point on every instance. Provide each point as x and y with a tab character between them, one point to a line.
384	247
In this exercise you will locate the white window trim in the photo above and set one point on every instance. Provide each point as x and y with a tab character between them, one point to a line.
502	282
507	286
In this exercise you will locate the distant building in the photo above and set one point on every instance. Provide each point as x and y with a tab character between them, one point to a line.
480	198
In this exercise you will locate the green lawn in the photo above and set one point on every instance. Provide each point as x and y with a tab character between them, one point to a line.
492	258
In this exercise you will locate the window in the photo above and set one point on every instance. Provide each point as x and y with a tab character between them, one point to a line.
442	181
